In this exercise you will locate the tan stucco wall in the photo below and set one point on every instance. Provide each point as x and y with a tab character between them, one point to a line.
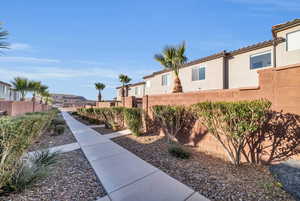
156	87
213	79
285	57
240	74
213	76
131	91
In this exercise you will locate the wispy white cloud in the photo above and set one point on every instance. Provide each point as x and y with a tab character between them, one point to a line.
28	60
290	5
88	62
19	46
57	73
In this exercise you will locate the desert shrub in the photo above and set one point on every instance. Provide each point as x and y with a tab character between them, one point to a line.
59	129
178	152
172	119
118	113
58	121
16	135
133	119
231	123
29	171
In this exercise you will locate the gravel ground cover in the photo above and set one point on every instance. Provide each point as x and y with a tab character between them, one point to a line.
47	140
212	177
104	131
84	121
72	179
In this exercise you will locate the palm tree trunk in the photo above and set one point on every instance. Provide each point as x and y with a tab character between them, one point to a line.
177	85
99	96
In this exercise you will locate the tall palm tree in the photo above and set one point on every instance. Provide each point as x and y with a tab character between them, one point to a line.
124	79
99	86
172	57
34	87
20	84
3	35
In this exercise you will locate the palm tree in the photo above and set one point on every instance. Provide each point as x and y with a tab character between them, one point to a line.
99	86
21	85
34	87
42	91
3	35
124	79
173	58
46	95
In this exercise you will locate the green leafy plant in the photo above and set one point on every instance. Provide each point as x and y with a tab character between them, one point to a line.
133	120
178	152
99	86
171	118
16	135
59	129
231	123
29	171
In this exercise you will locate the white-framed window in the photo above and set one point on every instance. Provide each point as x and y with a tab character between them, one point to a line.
165	80
261	60
148	84
198	73
137	91
293	41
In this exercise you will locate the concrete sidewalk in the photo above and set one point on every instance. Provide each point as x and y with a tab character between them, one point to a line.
125	176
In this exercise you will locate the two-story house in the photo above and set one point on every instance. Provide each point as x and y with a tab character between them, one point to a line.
136	89
231	69
8	93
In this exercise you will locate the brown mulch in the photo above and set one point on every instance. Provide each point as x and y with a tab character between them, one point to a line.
72	179
214	178
104	131
48	139
84	121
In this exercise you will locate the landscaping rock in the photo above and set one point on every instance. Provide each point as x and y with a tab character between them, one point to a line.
288	173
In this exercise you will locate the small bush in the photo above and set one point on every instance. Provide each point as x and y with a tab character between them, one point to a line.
58	121
133	119
59	130
29	171
172	119
178	152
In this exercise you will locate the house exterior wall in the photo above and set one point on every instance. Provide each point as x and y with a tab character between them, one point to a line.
7	93
213	76
156	84
239	72
140	89
284	57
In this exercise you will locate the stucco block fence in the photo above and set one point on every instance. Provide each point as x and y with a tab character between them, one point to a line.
15	108
281	86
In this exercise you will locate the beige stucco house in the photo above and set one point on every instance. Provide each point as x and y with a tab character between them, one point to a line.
230	69
136	89
8	93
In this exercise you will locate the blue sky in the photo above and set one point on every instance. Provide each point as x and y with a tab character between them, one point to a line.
69	45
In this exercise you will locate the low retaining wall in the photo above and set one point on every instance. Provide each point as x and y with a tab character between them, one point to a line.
15	108
281	86
105	104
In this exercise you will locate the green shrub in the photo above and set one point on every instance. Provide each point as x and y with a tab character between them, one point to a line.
59	129
133	119
16	135
178	152
231	123
31	170
58	121
172	119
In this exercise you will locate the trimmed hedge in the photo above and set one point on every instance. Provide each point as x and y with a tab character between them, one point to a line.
16	135
133	119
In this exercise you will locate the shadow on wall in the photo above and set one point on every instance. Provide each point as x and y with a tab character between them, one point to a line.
277	140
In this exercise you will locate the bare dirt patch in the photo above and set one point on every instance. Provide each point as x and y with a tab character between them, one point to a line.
214	178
